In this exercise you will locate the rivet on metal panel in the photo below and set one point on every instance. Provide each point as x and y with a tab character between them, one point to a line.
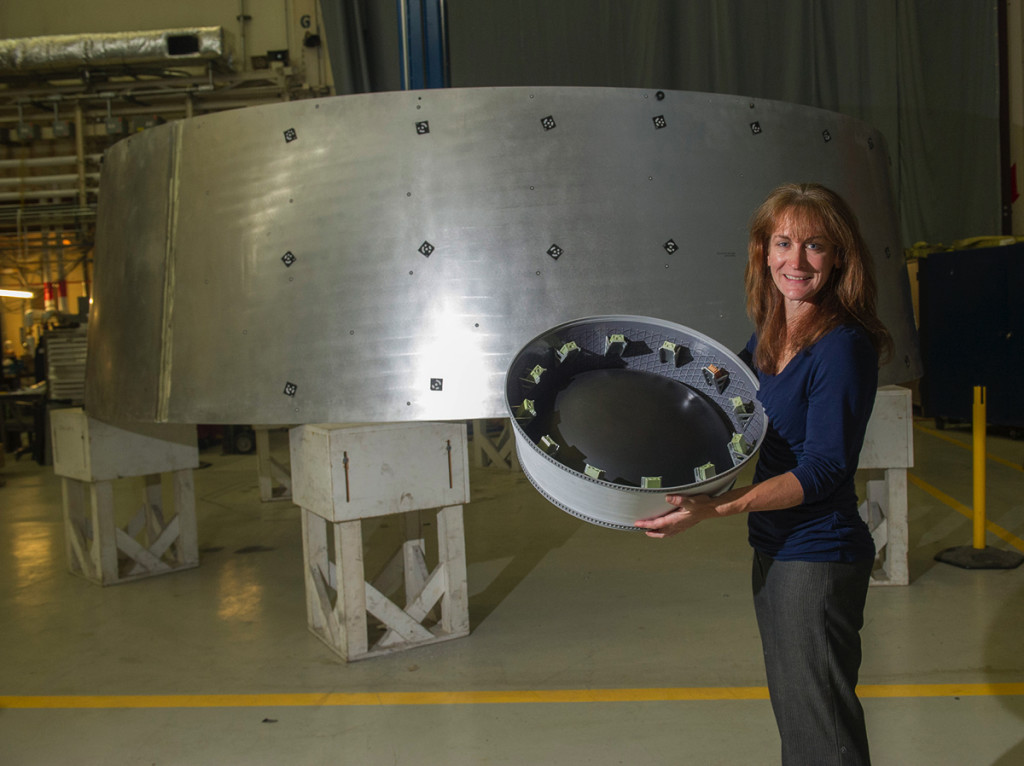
755	128
436	384
289	258
290	135
826	135
290	389
670	246
660	122
555	252
548	122
660	95
426	249
422	128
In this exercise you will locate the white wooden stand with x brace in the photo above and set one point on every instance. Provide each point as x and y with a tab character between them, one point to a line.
889	445
344	474
89	456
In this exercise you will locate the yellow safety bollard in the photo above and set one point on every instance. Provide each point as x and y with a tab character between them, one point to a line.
979	555
978	428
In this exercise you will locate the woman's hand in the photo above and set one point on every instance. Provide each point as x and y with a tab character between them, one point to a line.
688	512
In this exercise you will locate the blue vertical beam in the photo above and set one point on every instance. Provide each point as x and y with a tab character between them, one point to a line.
435	56
423	44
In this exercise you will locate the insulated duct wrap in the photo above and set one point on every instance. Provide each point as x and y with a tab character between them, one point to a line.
381	257
171	47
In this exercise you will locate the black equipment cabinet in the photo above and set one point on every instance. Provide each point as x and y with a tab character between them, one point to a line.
972	333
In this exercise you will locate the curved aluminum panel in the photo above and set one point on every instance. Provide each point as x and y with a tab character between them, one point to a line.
578	459
381	257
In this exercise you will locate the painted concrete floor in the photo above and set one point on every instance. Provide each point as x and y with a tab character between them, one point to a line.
588	646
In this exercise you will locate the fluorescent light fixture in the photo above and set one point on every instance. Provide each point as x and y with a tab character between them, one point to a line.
16	293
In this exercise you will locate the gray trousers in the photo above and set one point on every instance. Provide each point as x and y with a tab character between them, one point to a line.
810	615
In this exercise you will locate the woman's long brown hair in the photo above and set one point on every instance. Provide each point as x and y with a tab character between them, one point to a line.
848	296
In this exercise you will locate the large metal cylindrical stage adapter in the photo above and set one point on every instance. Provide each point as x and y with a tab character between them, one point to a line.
611	413
378	258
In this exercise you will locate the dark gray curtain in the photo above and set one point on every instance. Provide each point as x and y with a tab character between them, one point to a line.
924	72
362	43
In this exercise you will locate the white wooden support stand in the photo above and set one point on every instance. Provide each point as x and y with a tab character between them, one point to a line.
275	478
889	445
89	456
343	474
500	451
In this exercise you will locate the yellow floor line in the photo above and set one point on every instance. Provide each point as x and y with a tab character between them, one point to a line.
956	505
967	446
394	699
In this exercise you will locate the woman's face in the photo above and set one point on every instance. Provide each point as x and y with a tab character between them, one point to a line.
801	259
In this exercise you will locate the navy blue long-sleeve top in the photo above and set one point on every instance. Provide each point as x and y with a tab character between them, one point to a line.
818	408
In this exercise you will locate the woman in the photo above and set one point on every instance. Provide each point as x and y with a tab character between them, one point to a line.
816	350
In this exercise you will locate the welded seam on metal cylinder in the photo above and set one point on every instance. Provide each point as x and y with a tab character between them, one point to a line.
167	323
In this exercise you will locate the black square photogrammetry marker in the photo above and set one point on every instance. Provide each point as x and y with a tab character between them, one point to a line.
426	248
436	384
548	122
423	127
660	122
290	135
555	251
290	389
670	246
755	128
289	258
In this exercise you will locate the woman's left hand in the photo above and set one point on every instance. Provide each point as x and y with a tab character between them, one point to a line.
689	511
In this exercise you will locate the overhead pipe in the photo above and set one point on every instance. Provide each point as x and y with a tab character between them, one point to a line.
50	193
45	162
36	180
